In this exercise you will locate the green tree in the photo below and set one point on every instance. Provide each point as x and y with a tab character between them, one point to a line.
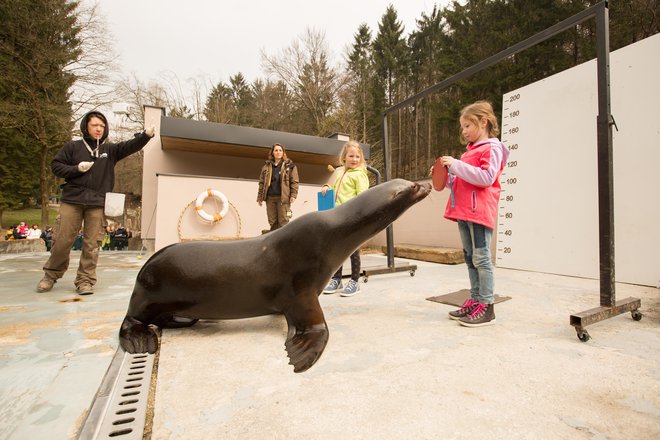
242	99
428	66
38	40
219	104
391	58
18	177
360	68
390	55
273	106
633	20
231	103
182	112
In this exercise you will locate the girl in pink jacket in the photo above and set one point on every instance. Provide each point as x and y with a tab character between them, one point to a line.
475	192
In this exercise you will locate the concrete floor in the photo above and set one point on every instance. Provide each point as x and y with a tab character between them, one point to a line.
395	366
55	347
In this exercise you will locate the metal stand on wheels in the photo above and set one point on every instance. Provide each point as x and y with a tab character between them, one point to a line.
609	307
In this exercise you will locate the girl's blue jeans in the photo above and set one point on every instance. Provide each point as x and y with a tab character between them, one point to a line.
476	241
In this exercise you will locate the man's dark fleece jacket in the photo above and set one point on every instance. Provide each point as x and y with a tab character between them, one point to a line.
89	188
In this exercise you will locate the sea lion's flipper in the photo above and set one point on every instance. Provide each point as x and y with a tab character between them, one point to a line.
305	346
307	335
137	337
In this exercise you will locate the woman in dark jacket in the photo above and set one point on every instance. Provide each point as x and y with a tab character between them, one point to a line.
278	187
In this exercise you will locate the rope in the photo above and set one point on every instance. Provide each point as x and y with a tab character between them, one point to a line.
233	209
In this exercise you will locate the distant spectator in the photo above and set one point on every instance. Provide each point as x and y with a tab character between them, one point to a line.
78	242
20	232
34	233
9	235
120	239
24	229
47	237
105	243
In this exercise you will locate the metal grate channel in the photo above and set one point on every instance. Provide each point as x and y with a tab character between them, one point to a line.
120	407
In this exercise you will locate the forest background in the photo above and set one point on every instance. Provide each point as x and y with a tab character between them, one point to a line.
56	63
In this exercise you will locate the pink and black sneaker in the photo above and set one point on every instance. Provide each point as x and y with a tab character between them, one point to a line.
481	314
464	310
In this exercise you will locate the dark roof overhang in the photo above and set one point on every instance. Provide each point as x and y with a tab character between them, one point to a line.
178	134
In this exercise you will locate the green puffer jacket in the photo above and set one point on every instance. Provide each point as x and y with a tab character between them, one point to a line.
349	182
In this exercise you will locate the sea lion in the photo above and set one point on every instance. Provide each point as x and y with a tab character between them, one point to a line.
283	271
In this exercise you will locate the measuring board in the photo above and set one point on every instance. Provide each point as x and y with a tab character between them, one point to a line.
548	209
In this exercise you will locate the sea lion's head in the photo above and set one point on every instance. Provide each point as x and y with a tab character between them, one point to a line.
412	192
400	194
380	205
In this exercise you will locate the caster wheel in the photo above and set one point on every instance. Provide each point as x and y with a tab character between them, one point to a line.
636	315
412	273
583	335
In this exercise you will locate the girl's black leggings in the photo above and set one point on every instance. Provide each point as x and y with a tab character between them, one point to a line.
355	267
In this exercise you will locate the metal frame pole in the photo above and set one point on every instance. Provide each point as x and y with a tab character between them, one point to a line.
605	161
389	234
609	306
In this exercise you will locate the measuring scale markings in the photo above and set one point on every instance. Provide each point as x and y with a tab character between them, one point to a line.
509	180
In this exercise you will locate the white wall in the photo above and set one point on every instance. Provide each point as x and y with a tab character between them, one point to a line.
550	221
177	219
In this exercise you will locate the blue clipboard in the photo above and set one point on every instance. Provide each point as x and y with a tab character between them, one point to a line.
328	201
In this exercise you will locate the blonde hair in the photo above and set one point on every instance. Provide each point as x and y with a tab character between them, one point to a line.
480	109
344	152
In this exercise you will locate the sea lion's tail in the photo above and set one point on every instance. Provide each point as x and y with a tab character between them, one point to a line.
137	337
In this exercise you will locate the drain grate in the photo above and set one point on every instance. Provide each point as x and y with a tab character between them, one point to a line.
120	407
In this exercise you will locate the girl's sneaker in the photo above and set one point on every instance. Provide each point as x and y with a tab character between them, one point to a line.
351	289
464	310
481	314
333	286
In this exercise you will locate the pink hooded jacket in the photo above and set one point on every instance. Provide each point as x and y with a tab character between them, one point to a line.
474	183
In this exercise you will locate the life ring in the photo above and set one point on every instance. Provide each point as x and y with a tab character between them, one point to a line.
218	215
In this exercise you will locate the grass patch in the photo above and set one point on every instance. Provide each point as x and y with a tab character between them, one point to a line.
30	216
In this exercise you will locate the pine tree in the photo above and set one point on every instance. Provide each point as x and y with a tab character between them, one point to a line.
38	41
241	94
390	55
360	68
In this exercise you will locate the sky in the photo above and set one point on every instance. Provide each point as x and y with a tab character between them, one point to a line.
211	40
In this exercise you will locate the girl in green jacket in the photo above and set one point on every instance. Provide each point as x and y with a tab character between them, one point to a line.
349	181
